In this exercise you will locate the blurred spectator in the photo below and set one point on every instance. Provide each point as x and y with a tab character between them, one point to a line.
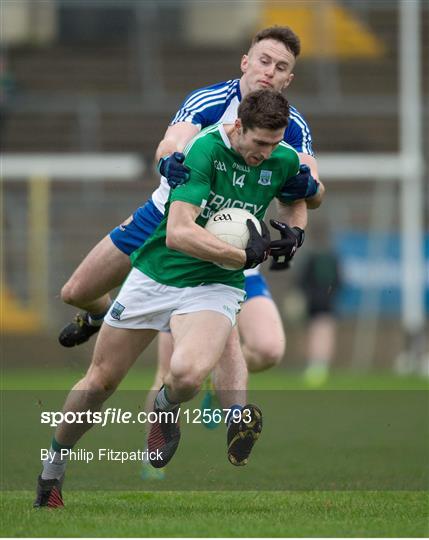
320	281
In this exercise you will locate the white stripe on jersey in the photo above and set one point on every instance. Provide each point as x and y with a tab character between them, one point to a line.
203	99
306	137
228	117
211	101
202	104
206	92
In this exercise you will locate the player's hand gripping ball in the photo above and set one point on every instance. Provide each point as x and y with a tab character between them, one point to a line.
283	250
243	230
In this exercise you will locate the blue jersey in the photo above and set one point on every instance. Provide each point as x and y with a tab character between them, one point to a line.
219	103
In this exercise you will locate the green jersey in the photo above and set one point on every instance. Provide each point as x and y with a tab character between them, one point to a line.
219	178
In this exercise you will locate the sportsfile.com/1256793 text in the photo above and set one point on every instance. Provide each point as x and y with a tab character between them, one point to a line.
113	415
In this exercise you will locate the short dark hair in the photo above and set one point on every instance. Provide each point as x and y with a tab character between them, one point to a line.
266	109
284	34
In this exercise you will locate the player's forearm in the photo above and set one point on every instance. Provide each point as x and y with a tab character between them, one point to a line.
294	214
165	148
195	241
315	201
175	139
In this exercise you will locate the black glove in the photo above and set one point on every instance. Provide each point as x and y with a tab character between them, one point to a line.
283	250
258	246
173	169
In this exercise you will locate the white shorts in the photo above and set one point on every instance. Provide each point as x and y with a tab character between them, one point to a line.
145	303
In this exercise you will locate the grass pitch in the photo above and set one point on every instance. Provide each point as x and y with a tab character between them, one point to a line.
249	513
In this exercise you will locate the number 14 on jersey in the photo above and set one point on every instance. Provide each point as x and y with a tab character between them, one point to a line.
238	180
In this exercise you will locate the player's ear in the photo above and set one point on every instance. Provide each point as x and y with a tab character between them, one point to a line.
238	125
288	81
244	63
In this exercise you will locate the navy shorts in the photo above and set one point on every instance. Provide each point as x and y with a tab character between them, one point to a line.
129	236
256	286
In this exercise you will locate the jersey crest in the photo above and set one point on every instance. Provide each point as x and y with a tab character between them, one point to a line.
265	178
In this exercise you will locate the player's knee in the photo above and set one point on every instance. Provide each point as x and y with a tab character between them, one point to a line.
275	353
100	382
187	380
71	293
66	293
266	354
